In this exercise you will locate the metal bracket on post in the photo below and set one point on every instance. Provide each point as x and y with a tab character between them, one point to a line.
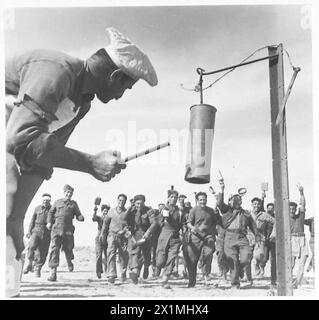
200	71
284	100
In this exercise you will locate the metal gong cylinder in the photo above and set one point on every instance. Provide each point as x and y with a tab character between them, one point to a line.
200	143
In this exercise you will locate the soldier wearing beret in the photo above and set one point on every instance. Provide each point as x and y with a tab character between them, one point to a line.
236	221
47	94
140	223
60	222
169	240
100	244
39	236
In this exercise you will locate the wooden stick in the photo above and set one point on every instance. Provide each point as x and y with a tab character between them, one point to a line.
147	151
284	101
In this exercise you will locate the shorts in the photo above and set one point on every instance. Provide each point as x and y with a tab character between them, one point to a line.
299	246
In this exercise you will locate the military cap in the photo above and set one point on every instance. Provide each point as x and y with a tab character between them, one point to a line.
139	197
67	187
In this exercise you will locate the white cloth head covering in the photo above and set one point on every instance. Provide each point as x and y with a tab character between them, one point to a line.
129	58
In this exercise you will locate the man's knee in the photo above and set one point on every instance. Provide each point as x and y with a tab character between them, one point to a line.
160	259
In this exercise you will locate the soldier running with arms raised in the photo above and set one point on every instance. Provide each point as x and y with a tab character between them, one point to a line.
235	221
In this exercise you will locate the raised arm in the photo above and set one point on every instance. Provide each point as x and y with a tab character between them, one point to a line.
302	198
95	216
263	196
221	205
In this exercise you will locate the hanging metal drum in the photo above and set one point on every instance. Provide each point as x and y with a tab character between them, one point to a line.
200	143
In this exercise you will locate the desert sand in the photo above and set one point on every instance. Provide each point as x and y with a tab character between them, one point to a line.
83	283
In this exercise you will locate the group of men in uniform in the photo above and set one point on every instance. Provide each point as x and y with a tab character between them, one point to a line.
143	237
52	225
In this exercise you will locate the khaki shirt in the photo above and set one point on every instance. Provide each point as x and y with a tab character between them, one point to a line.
49	84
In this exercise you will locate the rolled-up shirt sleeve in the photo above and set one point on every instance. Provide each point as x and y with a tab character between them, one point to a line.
43	85
45	82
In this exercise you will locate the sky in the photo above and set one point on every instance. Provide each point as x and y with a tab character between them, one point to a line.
178	39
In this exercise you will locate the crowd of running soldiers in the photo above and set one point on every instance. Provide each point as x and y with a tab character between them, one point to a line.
143	238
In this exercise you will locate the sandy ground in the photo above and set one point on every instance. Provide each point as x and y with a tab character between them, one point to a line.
83	283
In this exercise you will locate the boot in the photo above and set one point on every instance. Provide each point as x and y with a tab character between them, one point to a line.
157	272
165	284
123	276
206	280
52	275
28	268
111	280
99	275
37	272
70	266
134	277
145	273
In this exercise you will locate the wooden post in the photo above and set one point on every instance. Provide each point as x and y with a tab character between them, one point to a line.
280	174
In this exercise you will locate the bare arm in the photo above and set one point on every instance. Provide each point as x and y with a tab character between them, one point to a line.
302	199
221	205
30	142
106	224
95	217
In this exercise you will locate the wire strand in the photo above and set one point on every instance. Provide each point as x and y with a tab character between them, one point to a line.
226	73
196	88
